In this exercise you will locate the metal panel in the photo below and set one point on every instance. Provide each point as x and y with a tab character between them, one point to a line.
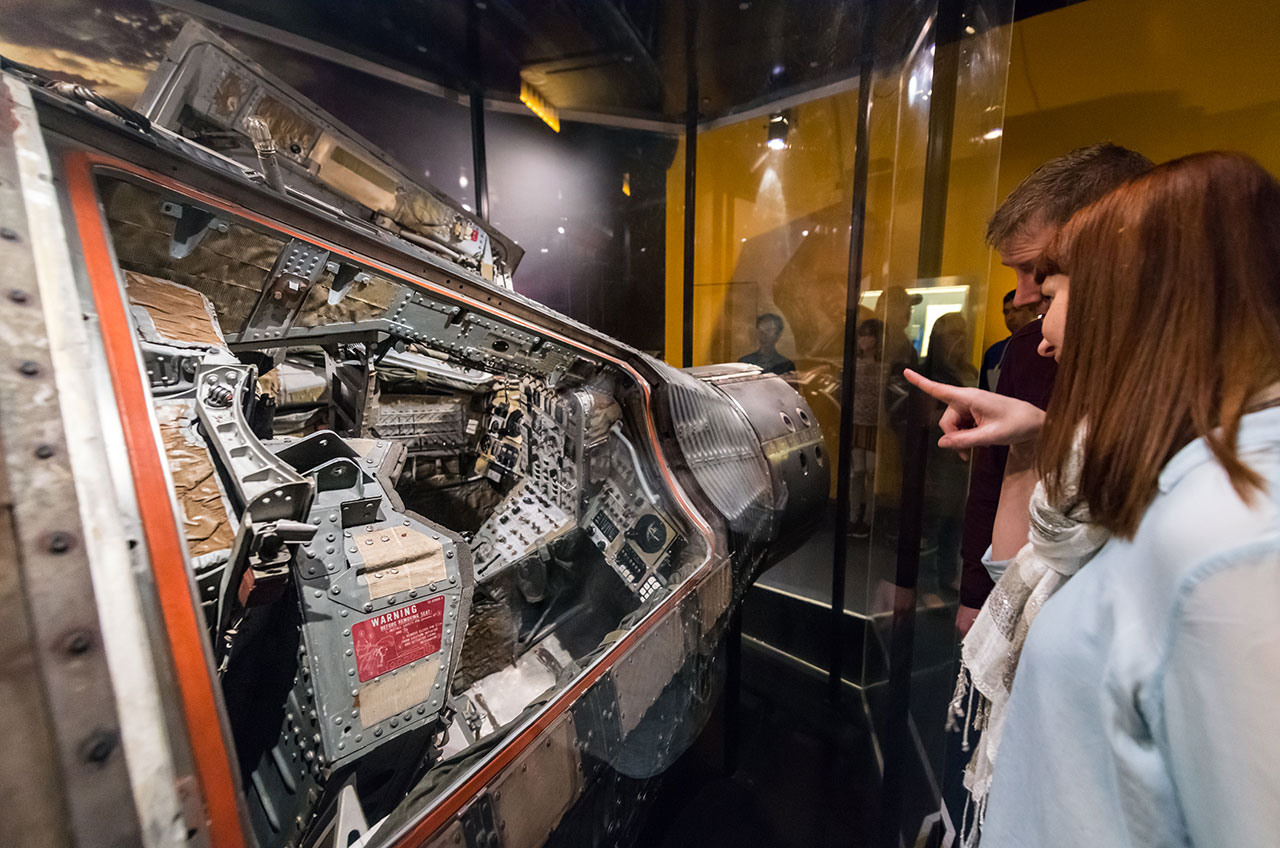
52	546
539	787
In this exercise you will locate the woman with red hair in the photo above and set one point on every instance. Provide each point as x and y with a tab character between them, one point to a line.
1139	709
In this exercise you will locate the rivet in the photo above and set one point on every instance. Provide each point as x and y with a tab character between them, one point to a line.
18	296
28	368
8	234
79	642
60	543
44	451
97	747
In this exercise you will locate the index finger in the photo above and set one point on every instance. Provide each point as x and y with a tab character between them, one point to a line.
943	392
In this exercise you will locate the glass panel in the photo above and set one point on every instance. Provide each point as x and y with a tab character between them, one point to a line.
589	206
936	119
775	194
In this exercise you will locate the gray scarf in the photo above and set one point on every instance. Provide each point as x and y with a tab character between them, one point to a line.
1059	545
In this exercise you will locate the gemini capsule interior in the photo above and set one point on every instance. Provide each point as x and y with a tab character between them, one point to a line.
436	538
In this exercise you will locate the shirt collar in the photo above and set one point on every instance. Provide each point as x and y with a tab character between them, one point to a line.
1258	431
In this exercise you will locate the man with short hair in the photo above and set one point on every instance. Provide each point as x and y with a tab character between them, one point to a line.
768	331
1020	230
1015	318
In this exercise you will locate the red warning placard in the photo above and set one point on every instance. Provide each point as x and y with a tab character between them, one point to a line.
398	637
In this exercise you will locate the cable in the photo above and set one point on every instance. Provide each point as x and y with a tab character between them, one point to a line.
75	91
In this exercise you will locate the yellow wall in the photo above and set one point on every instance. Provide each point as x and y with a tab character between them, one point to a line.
1164	77
772	227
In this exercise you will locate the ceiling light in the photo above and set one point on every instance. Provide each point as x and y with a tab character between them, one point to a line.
779	128
992	135
969	30
560	230
463	181
539	106
804	233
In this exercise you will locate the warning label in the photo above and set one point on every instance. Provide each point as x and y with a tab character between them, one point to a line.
398	637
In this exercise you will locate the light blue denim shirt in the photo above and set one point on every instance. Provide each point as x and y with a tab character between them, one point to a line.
1146	707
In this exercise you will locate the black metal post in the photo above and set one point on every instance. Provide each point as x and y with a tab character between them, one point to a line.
480	163
690	173
479	155
733	693
853	293
942	112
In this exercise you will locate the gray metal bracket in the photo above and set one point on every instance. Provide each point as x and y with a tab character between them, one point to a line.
299	267
191	227
266	487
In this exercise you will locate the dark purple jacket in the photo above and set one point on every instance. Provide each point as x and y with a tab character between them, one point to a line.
1025	375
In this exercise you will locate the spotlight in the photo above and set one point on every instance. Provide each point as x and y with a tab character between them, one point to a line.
778	129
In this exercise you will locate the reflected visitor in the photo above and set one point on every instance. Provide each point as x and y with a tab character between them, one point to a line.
768	330
894	308
868	382
947	475
1015	318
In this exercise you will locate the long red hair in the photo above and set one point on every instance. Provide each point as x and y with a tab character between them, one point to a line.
1173	324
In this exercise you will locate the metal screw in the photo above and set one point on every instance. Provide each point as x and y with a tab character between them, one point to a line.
97	747
79	642
18	296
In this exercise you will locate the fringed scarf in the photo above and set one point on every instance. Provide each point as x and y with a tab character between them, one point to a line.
1059	545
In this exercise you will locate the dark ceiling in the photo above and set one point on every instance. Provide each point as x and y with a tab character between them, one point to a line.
624	58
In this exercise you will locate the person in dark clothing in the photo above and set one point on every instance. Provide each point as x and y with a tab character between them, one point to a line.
768	331
1015	318
949	361
1019	231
